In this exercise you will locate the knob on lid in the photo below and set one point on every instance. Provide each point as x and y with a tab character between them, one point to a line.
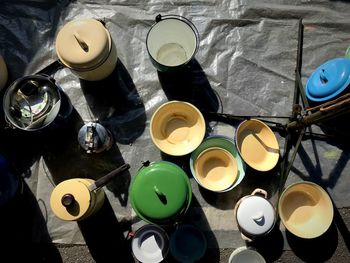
70	200
83	44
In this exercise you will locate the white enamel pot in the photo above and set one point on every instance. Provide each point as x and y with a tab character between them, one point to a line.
255	215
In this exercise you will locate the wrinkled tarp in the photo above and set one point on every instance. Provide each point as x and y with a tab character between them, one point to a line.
244	66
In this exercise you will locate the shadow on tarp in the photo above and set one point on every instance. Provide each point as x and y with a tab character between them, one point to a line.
115	102
104	236
190	84
65	159
270	246
23	147
23	229
318	249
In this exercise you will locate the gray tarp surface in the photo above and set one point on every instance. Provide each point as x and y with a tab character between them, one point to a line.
244	66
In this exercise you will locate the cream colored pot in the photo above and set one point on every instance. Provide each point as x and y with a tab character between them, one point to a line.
86	47
77	199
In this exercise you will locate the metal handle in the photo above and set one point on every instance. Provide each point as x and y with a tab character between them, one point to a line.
259	191
105	179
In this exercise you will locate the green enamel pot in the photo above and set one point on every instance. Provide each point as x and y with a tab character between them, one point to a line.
160	193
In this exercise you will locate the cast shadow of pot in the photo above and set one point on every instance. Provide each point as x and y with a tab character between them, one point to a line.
318	249
270	246
190	84
65	159
115	102
196	216
104	236
23	224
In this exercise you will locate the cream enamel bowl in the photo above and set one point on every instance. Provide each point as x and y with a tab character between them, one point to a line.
305	209
177	128
257	145
216	169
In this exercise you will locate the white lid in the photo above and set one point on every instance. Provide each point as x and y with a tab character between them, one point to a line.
255	215
83	44
150	244
245	255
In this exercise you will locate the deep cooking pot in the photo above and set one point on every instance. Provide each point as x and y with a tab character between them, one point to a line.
35	102
160	193
255	215
86	47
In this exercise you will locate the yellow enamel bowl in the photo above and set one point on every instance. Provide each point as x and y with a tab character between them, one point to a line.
177	128
257	145
305	209
216	169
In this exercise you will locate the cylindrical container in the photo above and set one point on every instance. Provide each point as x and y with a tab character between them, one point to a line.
71	200
78	198
172	42
9	182
3	73
34	102
86	47
150	244
160	193
255	215
245	254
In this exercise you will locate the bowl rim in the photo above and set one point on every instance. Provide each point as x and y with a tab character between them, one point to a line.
324	194
229	157
200	135
273	164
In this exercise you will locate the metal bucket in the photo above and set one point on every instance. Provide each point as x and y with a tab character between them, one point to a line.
34	102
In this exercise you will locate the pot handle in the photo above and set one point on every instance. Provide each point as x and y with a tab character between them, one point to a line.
259	191
245	238
105	179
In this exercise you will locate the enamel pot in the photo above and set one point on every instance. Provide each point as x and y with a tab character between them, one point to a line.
161	193
77	199
34	103
255	215
172	42
86	47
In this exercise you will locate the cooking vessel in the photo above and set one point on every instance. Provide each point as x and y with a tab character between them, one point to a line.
86	47
255	215
34	103
160	193
78	198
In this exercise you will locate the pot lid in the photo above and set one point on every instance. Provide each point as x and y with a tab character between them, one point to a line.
150	244
83	44
255	215
160	191
70	199
328	80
